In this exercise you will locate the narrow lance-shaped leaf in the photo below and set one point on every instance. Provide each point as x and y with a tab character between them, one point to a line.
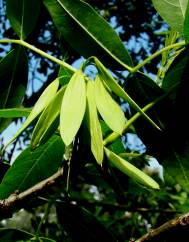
42	102
14	112
73	107
115	87
94	124
186	24
80	24
13	80
23	15
109	110
33	166
48	121
173	11
130	170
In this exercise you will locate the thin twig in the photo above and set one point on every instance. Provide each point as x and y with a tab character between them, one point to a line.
7	205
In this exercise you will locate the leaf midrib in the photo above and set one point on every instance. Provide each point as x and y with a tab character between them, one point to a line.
93	37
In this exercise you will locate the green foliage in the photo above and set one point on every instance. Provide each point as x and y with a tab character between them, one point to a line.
94	124
30	167
73	107
23	16
13	79
85	26
83	122
173	12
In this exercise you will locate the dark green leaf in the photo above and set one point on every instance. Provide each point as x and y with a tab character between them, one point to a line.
13	80
14	112
31	167
48	121
175	72
11	234
80	24
73	107
23	16
173	11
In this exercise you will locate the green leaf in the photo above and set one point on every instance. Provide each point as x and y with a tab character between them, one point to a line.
13	81
23	15
12	234
172	11
14	112
33	166
176	167
116	88
130	170
73	107
43	101
94	125
80	24
186	24
175	72
109	110
48	121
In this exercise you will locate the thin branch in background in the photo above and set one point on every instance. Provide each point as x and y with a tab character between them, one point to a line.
167	229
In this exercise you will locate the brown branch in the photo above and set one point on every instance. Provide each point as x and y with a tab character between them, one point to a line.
8	205
174	230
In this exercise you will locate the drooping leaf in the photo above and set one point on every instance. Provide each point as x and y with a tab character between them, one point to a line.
172	11
109	110
23	16
80	24
115	87
14	112
130	170
94	124
48	121
186	23
73	107
88	229
43	101
13	81
33	166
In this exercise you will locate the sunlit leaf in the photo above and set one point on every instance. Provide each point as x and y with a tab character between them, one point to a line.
109	110
73	107
48	121
173	11
85	26
116	88
94	124
23	15
130	170
33	166
42	102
